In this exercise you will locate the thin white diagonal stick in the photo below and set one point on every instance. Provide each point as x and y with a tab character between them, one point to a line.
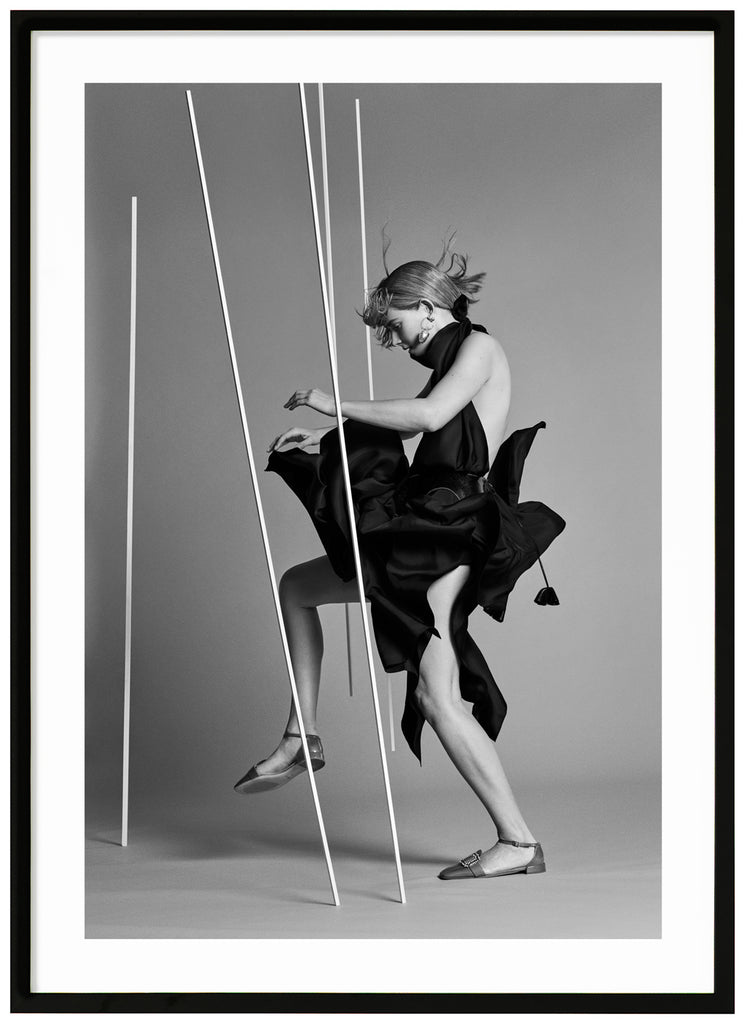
327	213
130	504
371	391
332	310
348	492
257	494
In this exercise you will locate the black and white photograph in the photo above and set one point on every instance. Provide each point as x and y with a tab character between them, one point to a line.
496	345
373	397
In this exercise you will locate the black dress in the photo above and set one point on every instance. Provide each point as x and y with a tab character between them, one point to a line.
416	523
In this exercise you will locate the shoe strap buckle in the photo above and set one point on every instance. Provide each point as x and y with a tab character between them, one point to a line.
472	858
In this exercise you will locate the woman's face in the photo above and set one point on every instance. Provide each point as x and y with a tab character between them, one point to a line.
406	327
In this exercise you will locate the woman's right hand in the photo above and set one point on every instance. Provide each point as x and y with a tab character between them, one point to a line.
300	436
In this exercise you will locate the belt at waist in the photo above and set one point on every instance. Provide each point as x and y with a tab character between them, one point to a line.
461	483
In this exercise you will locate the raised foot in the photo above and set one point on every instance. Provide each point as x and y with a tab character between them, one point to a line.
282	765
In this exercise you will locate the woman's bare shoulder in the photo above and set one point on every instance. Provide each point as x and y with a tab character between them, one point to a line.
487	347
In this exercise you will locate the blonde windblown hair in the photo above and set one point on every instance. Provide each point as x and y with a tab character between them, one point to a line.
407	285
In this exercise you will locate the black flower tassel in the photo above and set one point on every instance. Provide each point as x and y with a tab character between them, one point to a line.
547	594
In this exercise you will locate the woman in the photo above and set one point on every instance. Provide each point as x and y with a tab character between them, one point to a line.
436	538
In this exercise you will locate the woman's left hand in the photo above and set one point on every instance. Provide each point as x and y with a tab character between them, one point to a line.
314	399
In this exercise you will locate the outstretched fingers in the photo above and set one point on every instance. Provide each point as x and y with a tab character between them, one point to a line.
299	435
299	398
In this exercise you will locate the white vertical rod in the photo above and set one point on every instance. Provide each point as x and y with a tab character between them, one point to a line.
332	310
257	494
348	492
371	390
363	235
350	665
130	505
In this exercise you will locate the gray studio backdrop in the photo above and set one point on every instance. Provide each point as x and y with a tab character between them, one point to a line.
555	193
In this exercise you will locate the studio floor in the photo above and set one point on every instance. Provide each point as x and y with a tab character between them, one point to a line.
253	867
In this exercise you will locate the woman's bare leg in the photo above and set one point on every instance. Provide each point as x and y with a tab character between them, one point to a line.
307	586
467	745
302	589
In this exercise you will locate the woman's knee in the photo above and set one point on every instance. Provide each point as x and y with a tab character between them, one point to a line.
291	585
438	696
314	583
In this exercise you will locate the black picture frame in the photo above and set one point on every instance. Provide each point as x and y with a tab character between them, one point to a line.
23	24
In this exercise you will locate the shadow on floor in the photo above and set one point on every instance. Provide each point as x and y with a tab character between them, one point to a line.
182	841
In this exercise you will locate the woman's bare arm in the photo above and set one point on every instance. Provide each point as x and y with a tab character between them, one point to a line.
406	434
463	381
304	437
479	359
472	368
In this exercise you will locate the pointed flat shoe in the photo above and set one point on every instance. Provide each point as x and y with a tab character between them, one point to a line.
470	866
255	782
